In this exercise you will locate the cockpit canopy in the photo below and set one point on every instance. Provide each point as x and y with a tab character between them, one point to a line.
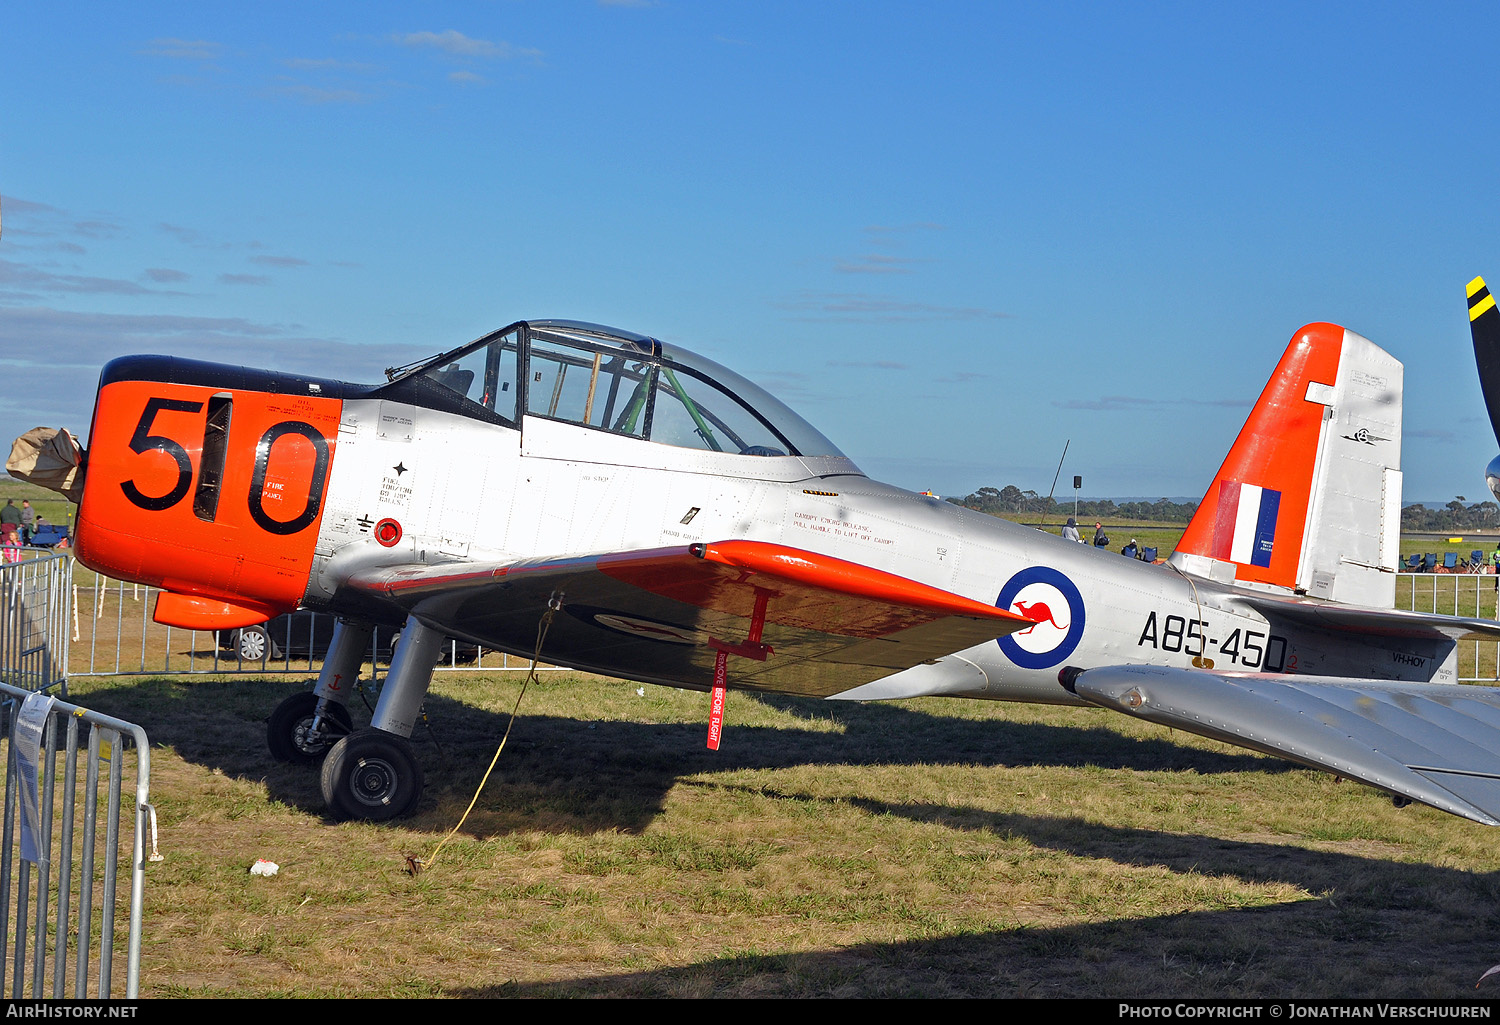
614	381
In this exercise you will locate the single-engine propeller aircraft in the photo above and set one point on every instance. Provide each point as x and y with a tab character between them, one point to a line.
668	521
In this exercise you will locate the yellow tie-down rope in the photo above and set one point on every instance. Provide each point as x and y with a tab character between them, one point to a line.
416	865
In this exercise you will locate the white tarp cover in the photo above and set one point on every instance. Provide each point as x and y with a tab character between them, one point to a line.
51	457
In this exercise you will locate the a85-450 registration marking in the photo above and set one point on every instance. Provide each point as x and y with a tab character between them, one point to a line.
1245	649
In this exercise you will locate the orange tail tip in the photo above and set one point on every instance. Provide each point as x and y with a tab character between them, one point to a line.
1309	497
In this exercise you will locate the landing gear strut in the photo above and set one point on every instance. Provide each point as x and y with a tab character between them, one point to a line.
373	774
296	733
305	726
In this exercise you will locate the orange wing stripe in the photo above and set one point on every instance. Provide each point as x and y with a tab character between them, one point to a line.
800	589
851	578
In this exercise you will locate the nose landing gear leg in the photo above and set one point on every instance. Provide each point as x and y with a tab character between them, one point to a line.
306	725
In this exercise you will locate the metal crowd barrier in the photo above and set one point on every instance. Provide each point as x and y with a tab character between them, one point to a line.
60	905
35	605
1471	595
113	634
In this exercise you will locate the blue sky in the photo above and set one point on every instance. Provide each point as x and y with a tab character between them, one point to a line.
953	235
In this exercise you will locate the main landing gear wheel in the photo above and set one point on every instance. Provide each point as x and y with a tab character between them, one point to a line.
288	729
371	775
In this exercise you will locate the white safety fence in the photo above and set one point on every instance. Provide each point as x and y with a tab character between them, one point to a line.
35	606
63	909
1471	595
113	634
66	768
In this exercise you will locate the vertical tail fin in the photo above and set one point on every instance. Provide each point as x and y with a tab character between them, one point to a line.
1309	497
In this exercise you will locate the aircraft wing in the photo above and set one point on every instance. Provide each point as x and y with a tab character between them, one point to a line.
1434	743
1376	622
792	621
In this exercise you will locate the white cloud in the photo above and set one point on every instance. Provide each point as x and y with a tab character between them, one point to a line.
318	96
18	281
52	378
190	236
328	64
166	275
888	241
877	263
182	49
1116	403
858	307
456	44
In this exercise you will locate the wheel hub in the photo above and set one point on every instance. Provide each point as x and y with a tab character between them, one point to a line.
307	739
373	781
252	647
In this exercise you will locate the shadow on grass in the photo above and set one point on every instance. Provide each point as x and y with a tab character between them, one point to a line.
1370	927
585	775
1375	928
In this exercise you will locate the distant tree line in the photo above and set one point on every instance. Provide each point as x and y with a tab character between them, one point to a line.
1011	500
1454	516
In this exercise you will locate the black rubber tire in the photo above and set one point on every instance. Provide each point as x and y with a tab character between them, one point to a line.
286	729
371	775
253	644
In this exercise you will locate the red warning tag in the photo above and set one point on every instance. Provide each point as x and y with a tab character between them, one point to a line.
716	708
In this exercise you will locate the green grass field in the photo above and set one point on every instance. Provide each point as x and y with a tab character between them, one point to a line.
49	504
918	848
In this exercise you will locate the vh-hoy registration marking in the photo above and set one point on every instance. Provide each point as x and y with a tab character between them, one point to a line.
838	528
1245	649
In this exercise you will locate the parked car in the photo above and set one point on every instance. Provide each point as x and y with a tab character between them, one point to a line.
307	634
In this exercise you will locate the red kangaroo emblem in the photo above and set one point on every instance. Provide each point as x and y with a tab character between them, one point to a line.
1037	611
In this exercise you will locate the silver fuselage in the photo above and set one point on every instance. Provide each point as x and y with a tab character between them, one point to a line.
468	490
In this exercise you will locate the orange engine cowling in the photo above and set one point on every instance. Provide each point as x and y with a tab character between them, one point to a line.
208	482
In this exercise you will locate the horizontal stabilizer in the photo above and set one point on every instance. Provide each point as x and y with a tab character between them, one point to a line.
1434	743
796	622
1371	622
